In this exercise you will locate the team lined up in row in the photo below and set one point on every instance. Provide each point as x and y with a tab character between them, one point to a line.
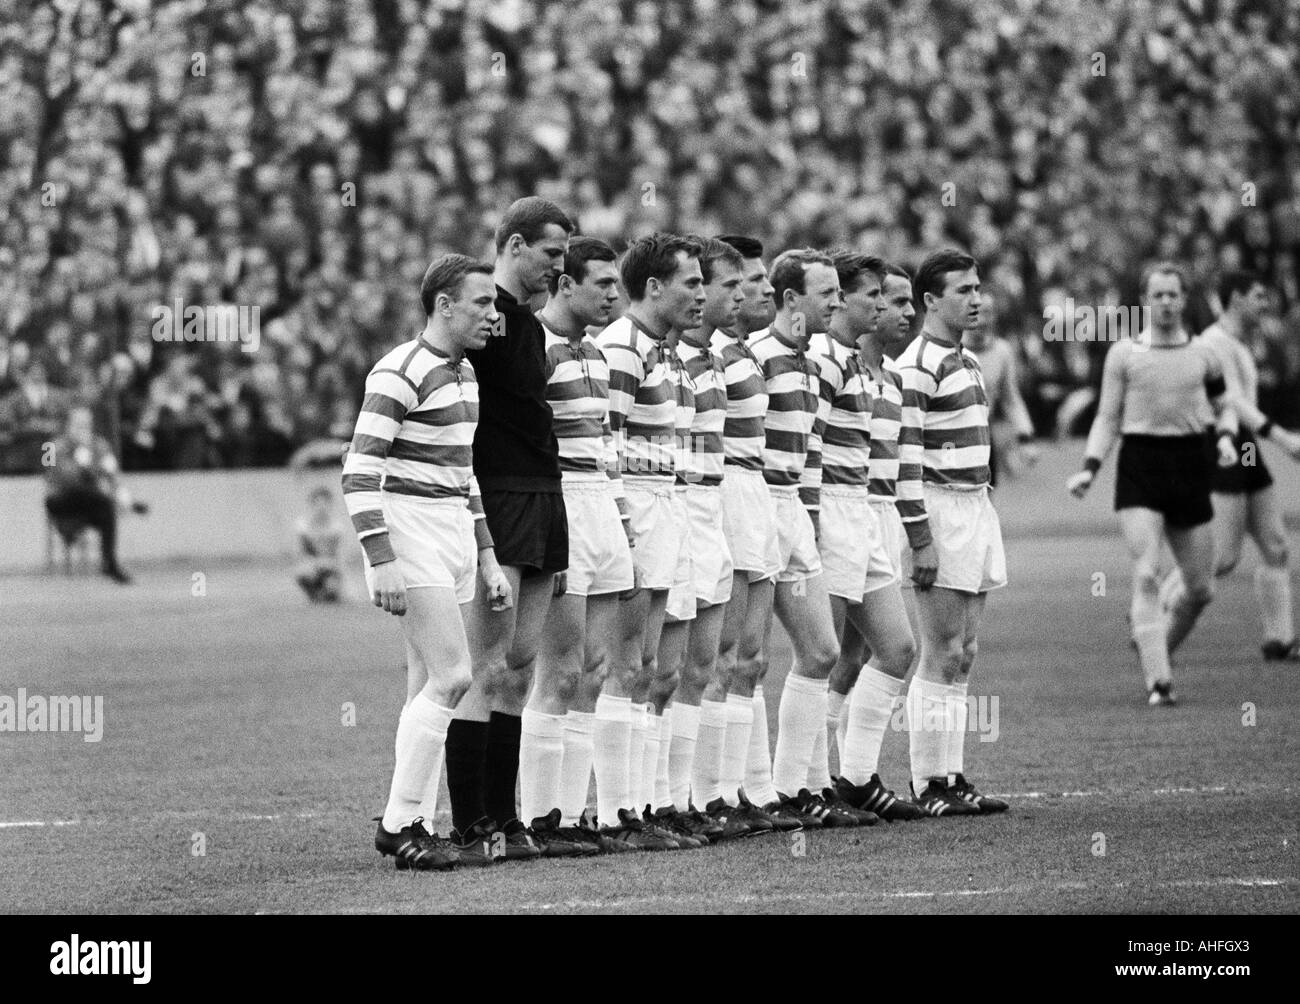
736	445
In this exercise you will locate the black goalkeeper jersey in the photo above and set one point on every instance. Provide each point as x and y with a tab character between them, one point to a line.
514	445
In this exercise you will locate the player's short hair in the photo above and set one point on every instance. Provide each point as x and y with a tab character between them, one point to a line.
790	268
652	257
714	251
446	274
892	268
930	277
582	250
1237	280
852	265
749	247
1164	268
529	217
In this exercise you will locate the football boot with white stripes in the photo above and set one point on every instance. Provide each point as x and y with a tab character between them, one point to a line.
414	849
875	797
964	790
936	799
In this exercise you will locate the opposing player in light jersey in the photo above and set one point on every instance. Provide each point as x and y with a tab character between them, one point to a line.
1244	500
733	714
860	550
1160	392
688	647
574	655
409	487
807	295
649	396
956	539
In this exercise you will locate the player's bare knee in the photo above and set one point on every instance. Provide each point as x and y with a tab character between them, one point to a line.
895	658
1273	549
969	650
455	684
565	684
1146	579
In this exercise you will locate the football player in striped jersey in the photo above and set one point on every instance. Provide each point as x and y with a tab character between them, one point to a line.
807	294
650	398
574	655
688	647
409	487
953	529
858	544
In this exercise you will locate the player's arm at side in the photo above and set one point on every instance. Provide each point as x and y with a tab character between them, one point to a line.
1109	419
1249	417
1225	414
389	396
500	595
829	381
918	385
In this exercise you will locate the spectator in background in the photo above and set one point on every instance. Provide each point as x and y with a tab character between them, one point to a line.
83	489
319	537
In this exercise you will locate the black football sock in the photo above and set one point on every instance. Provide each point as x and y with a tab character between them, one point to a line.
502	766
466	760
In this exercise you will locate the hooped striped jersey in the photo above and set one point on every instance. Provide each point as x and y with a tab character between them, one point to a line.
886	420
414	437
649	399
846	439
577	389
795	415
742	432
944	439
702	461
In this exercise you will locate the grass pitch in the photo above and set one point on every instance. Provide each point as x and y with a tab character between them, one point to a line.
228	780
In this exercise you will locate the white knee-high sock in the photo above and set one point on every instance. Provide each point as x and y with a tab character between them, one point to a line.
927	730
834	705
420	744
681	758
819	764
1171	591
801	717
958	716
870	707
1150	633
662	794
706	777
758	760
1273	594
575	769
636	756
541	757
842	728
612	757
740	729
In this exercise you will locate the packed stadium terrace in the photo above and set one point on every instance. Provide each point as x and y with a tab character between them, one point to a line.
311	158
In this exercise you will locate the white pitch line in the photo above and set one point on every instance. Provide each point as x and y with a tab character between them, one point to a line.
859	895
248	817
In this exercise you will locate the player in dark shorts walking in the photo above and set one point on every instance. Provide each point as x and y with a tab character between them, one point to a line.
1160	392
1244	500
517	467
